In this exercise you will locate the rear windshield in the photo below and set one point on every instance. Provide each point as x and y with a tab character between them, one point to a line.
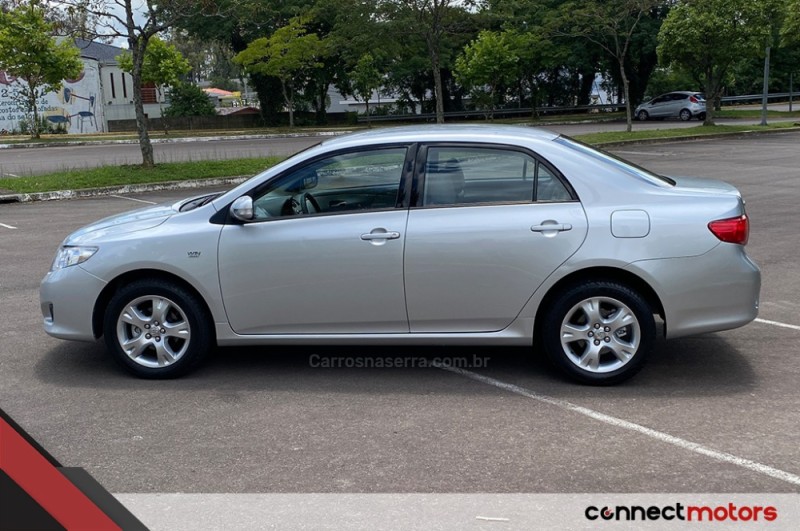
699	96
616	162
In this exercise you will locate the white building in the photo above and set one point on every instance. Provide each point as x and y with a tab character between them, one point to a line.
100	93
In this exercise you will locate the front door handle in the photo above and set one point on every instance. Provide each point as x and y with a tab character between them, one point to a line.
552	226
383	235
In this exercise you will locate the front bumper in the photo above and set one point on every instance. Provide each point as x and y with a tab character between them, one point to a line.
718	290
67	298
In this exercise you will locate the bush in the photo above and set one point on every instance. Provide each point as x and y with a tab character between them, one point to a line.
186	99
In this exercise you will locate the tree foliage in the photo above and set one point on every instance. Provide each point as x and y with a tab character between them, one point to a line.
365	79
163	64
290	54
188	100
29	52
488	66
707	38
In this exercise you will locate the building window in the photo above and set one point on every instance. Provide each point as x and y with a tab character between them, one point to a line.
113	88
124	87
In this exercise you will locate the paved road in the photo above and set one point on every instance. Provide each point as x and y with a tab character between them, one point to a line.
23	162
265	420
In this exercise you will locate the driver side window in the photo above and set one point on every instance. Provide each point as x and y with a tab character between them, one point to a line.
348	182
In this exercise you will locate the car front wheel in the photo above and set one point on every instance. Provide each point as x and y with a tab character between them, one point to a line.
156	329
599	333
643	116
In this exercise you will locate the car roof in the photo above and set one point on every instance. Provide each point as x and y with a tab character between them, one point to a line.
448	132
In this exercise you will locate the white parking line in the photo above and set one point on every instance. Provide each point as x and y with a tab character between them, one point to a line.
7	226
134	199
777	323
624	424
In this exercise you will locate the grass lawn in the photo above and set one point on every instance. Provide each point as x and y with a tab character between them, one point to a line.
754	114
701	130
120	175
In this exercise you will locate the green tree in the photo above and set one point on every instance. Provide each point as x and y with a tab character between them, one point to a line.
188	100
290	55
611	26
163	64
366	78
487	66
707	38
432	20
30	53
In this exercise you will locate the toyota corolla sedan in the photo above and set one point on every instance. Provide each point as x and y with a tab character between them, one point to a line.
458	235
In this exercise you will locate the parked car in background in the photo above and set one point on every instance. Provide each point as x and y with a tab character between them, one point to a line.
459	235
682	104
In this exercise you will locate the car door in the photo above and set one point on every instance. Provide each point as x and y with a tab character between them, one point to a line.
658	107
487	226
676	103
325	252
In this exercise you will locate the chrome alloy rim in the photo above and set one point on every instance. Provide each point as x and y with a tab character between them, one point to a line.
600	334
153	331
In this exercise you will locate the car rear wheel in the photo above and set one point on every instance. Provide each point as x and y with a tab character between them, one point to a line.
599	333
643	116
685	115
156	329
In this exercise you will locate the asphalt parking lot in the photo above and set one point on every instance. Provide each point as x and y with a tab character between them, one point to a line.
718	412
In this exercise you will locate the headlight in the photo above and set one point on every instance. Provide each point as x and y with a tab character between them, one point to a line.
72	255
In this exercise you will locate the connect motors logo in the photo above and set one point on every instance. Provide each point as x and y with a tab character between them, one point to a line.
684	513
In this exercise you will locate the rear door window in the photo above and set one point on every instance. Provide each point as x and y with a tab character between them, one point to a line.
480	175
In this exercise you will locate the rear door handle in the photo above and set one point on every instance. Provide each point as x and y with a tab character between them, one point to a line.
386	235
547	227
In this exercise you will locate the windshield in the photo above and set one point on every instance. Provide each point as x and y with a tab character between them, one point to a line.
616	162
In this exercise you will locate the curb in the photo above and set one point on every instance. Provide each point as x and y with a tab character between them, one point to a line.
176	140
122	189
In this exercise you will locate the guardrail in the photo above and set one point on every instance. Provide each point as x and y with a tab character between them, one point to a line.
496	113
751	97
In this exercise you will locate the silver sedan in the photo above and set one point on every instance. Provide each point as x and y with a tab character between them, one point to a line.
461	235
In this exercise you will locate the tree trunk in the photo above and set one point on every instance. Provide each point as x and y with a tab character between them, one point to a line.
626	91
289	102
711	93
32	103
137	56
366	106
437	81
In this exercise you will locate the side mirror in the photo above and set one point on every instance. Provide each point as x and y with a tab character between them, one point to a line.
242	208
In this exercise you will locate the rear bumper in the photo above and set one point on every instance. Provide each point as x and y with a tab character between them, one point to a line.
67	298
718	290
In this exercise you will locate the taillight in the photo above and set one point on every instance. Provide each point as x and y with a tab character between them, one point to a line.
693	99
732	230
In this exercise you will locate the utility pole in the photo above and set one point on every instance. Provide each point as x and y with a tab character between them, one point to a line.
766	88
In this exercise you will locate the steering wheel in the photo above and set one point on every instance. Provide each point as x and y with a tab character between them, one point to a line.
307	200
296	207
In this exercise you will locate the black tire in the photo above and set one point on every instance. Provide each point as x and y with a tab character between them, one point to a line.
642	116
610	368
685	115
186	326
701	116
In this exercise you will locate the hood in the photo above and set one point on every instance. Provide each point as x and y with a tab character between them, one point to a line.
708	186
135	220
